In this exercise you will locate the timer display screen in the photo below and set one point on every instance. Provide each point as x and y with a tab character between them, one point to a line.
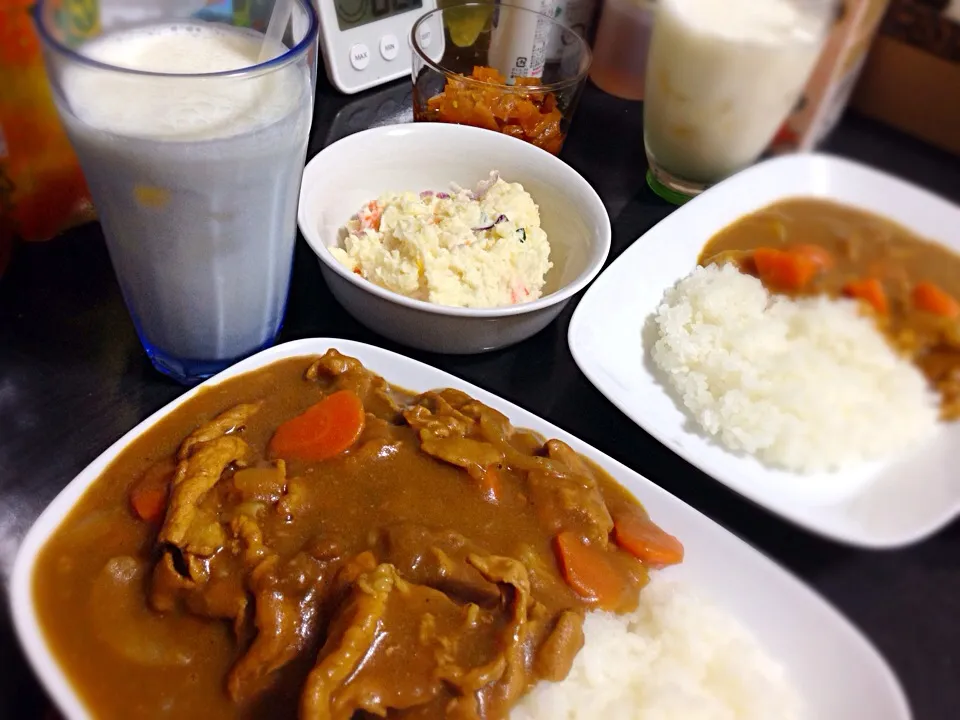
353	13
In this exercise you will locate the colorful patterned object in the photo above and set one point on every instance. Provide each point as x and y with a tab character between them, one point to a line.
42	191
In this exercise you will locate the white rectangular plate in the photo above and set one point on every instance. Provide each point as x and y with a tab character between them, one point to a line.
875	505
838	673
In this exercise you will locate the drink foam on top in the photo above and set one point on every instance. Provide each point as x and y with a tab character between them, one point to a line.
180	107
752	21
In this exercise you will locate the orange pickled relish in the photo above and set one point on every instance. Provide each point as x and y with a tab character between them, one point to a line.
530	116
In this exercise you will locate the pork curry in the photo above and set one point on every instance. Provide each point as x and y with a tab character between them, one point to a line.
910	285
308	541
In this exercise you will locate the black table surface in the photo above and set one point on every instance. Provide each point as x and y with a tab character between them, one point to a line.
73	378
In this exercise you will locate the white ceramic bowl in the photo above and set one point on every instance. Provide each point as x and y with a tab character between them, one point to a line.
422	156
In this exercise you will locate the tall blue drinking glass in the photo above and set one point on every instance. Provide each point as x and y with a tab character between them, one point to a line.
192	134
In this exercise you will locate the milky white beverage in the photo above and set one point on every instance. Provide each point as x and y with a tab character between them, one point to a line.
196	182
721	78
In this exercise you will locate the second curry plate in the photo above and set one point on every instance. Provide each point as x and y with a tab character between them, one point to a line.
876	505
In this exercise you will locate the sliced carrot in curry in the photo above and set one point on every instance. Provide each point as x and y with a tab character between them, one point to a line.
645	540
932	299
324	430
148	497
491	483
588	570
149	502
784	270
871	291
817	253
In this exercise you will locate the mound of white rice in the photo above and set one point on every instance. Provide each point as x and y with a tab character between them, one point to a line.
807	385
675	658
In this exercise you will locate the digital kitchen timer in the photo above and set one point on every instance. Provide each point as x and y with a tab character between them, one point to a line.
367	42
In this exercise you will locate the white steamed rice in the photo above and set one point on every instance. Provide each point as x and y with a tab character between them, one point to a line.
807	385
675	658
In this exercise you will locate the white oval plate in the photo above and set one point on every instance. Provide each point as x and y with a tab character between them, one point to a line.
838	673
876	505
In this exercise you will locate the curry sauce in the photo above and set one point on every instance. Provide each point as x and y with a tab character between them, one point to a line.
804	247
437	564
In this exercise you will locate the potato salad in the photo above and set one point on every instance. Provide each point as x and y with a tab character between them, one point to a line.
464	248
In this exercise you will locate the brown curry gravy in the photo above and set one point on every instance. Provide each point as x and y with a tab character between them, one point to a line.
125	660
864	245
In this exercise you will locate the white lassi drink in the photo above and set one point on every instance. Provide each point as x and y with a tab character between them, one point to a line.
195	180
722	77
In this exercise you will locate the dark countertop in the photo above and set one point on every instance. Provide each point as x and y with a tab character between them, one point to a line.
73	378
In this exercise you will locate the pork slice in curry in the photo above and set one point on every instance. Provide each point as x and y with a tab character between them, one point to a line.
911	286
308	541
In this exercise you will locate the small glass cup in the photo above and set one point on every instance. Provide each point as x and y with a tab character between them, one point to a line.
717	91
194	157
621	48
489	70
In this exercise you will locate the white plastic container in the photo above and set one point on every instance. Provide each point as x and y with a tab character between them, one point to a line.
518	48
